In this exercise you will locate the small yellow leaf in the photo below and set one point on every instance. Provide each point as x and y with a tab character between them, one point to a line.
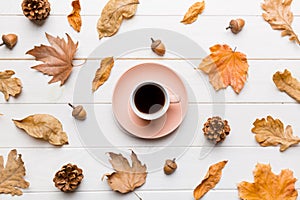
103	73
43	126
270	132
225	67
268	186
210	180
286	83
12	175
75	18
193	12
9	86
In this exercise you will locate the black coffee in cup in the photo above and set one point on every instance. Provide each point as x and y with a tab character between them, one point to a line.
149	98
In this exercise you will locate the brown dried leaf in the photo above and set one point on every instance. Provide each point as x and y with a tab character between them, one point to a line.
57	58
75	18
269	186
278	14
225	67
286	83
126	178
9	86
270	132
112	16
43	126
103	73
193	12
211	179
11	176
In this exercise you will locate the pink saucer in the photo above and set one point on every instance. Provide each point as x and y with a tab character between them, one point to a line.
132	123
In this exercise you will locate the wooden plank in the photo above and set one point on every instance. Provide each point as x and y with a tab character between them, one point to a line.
258	88
206	32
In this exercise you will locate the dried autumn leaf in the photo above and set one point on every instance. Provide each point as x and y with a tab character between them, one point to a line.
43	126
126	178
211	179
112	16
269	186
75	18
9	86
57	58
286	83
278	14
103	73
270	132
225	67
11	176
193	12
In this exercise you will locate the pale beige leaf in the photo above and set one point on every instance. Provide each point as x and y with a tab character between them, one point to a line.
74	18
103	73
225	67
286	83
57	58
278	14
12	175
43	126
211	179
268	186
113	14
126	178
9	86
193	12
270	132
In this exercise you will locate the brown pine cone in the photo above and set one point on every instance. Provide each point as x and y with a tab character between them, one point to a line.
68	178
216	129
36	10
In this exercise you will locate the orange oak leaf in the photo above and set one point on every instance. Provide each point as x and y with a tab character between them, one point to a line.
278	14
75	18
57	58
193	12
126	178
269	186
210	180
225	67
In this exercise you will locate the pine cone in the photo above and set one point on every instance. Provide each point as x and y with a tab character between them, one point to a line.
68	178
36	10
216	129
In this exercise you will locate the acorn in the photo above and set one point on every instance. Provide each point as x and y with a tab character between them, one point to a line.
158	47
170	166
236	25
78	112
10	40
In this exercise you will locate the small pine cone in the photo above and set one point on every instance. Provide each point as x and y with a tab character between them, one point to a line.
68	178
36	10
216	129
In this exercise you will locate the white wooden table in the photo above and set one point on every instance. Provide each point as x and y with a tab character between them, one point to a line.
267	53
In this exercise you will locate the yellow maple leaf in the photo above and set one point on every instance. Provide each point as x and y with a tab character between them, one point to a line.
225	67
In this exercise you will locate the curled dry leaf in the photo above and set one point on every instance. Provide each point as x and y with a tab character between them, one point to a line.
270	132
57	58
43	126
126	178
9	86
103	73
286	83
211	179
112	16
75	18
12	175
278	14
193	12
225	67
269	186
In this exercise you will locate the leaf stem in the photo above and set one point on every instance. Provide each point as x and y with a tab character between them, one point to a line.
234	49
79	65
71	105
140	198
